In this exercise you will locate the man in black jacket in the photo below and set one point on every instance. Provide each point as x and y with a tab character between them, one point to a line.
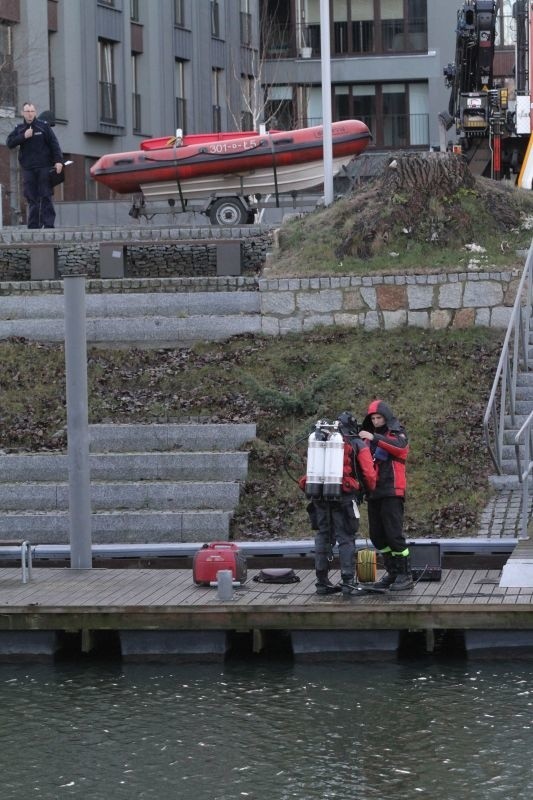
39	154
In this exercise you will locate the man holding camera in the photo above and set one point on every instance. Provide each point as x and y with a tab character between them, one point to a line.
39	154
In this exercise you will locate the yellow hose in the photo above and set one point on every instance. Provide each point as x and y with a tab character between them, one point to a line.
366	566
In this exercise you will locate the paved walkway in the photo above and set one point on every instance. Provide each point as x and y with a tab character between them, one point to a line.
502	516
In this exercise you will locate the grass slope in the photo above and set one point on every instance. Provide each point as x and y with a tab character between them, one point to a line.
437	383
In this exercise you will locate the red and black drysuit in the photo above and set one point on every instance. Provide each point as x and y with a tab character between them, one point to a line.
385	503
338	520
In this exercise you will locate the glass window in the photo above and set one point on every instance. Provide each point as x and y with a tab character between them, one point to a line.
417	25
395	127
215	19
215	93
179	13
136	97
181	102
106	69
392	25
362	16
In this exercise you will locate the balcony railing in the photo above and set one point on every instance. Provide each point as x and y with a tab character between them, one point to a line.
108	102
276	42
348	38
391	130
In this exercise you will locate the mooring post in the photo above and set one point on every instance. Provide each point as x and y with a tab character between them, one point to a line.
77	423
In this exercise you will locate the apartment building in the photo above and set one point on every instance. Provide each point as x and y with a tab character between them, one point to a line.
114	72
387	62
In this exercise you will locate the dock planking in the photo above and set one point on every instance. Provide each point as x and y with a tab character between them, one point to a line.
162	599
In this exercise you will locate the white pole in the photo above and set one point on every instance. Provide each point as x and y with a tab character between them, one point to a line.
326	101
1	201
77	423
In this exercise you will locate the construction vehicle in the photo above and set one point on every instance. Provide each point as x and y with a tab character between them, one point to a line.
492	117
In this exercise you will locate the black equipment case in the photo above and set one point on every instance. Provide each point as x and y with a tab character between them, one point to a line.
425	561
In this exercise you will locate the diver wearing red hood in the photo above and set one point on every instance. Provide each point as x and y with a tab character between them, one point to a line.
389	446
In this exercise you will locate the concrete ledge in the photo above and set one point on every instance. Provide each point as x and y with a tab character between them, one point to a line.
504	644
345	645
28	645
176	646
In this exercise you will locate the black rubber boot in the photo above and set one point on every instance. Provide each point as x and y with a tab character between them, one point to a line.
389	576
404	576
348	585
324	585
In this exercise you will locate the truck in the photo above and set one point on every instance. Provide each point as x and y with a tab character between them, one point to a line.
492	116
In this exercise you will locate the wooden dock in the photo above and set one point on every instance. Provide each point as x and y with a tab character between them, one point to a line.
161	612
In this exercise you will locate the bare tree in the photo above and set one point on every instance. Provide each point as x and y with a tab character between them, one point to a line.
258	104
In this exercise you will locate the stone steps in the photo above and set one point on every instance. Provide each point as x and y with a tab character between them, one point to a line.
149	466
179	318
149	484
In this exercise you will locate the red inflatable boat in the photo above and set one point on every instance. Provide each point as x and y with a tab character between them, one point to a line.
249	163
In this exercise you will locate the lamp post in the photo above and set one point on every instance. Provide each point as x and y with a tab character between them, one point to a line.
327	138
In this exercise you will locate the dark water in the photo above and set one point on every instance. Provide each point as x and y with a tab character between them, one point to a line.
267	731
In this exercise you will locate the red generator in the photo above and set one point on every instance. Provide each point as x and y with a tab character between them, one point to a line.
215	556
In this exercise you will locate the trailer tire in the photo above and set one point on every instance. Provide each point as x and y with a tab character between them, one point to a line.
228	211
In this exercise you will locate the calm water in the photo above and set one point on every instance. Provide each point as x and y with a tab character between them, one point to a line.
267	732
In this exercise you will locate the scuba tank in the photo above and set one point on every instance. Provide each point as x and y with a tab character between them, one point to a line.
316	452
334	465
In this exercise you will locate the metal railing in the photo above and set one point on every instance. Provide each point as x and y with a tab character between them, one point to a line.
525	432
513	360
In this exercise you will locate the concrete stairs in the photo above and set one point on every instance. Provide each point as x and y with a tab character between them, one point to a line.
149	483
147	318
524	406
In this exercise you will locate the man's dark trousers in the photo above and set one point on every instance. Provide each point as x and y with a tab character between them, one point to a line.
38	193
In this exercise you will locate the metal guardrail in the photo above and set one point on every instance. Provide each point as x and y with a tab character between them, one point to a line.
502	401
525	432
513	360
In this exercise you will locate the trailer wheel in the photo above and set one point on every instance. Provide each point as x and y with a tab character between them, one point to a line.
228	211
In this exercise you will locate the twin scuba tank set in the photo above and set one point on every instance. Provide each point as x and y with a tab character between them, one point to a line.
325	460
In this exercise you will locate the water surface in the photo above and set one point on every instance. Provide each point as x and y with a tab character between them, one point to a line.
267	731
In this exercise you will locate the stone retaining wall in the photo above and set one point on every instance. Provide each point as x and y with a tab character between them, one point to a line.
443	300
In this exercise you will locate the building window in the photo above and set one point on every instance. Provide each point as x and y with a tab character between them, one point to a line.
215	19
179	13
396	113
106	2
134	10
215	92
246	23
280	108
108	89
8	75
136	96
362	26
181	102
247	102
275	29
